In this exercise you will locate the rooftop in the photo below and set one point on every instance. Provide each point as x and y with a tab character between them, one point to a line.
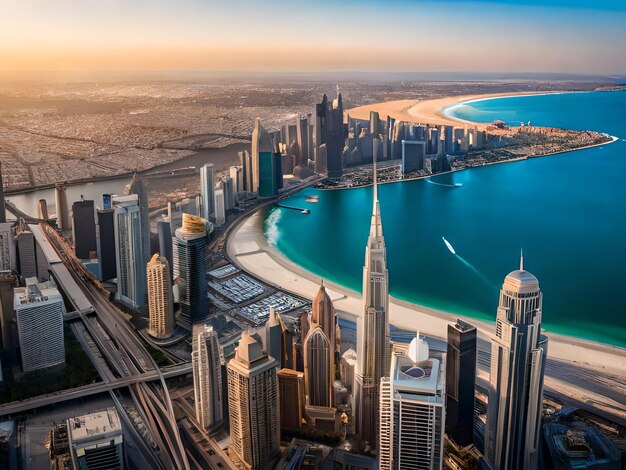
94	425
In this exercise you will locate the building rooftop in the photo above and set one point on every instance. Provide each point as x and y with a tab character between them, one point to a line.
413	373
34	293
94	425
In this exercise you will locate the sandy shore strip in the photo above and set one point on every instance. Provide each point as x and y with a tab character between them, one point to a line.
430	111
579	371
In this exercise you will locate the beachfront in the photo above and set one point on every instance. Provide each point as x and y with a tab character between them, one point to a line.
572	361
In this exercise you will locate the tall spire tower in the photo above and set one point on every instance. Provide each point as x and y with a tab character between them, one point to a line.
373	346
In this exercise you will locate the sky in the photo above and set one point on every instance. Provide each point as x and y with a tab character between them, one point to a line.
558	36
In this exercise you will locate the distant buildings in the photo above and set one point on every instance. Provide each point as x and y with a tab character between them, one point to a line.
460	382
39	313
329	132
84	228
129	251
207	376
220	208
207	191
189	247
412	410
253	403
518	357
373	344
160	300
96	441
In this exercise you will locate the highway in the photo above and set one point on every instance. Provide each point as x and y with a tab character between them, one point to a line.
122	350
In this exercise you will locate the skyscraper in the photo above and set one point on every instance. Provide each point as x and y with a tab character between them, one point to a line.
164	231
518	358
412	410
460	382
25	242
96	440
253	405
138	187
329	130
412	156
106	244
261	143
207	191
207	376
84	228
3	214
373	346
270	174
318	372
160	301
189	246
274	344
291	384
220	208
319	352
129	253
39	314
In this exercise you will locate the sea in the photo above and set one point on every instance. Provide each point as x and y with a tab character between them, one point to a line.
567	212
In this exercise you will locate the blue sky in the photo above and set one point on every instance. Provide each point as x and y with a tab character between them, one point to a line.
565	36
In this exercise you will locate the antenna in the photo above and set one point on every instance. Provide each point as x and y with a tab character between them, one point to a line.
521	259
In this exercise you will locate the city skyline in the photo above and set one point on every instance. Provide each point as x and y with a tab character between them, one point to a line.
564	36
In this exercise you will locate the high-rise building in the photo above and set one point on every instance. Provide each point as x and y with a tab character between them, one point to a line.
319	352
373	343
245	159
329	130
107	201
303	141
84	228
160	301
460	382
412	410
8	326
318	370
138	187
7	247
42	210
96	440
229	193
270	174
207	376
129	252
189	247
207	191
261	143
164	231
106	244
253	405
220	208
60	201
26	253
39	313
274	344
291	386
413	153
518	358
347	367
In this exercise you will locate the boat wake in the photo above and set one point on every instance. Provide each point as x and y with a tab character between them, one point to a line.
466	263
271	226
455	185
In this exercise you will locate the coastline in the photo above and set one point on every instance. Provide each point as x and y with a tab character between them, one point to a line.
569	357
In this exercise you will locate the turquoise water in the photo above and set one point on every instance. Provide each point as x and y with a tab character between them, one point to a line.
567	211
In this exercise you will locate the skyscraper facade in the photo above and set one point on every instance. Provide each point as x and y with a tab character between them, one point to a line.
460	382
291	385
518	358
164	232
253	405
207	191
138	187
7	247
129	252
270	174
220	208
412	410
373	344
160	301
207	376
261	144
106	244
3	215
39	314
189	247
84	228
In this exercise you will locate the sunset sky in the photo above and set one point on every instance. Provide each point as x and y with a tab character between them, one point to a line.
569	36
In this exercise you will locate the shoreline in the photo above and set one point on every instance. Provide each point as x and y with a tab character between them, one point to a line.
570	358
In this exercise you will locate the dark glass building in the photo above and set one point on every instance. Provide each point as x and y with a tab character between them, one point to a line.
270	174
106	244
84	228
460	382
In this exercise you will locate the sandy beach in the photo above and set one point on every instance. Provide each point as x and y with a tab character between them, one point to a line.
427	111
579	372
